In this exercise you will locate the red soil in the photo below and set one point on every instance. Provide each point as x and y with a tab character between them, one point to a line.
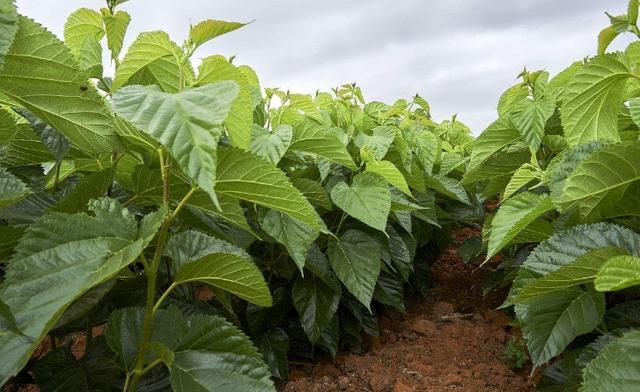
455	345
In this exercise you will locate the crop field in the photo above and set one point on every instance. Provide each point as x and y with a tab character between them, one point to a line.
176	226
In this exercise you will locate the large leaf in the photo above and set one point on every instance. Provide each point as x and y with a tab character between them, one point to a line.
355	258
617	366
271	145
513	217
63	256
530	117
12	189
582	271
115	28
316	303
313	191
390	173
156	55
551	321
229	272
295	235
319	140
216	69
191	245
275	350
41	74
247	177
524	175
366	199
425	145
378	142
449	187
592	99
618	273
497	136
601	180
83	24
210	29
8	27
188	124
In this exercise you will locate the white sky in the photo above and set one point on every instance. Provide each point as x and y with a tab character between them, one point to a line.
458	54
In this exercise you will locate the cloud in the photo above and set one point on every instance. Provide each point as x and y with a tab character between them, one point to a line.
459	54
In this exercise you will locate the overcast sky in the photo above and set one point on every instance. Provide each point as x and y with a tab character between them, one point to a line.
458	54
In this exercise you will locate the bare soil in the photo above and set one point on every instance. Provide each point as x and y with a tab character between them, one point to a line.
452	340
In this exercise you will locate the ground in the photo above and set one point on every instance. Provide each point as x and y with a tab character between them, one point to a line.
452	340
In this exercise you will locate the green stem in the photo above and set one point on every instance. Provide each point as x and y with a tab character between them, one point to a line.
164	296
342	219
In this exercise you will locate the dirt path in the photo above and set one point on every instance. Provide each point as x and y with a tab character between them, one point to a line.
457	345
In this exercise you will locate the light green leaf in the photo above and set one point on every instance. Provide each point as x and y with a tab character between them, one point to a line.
601	179
618	273
390	173
524	175
355	258
592	100
616	366
497	136
90	58
514	216
64	256
511	97
316	303
271	145
583	270
188	124
39	67
378	142
530	117
551	321
116	28
81	25
366	199
295	235
245	176
8	27
448	187
317	139
210	29
191	245
12	189
217	68
425	145
229	272
155	52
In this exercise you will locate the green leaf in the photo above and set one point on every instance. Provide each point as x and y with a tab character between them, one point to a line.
583	270
91	186
191	245
275	350
317	139
378	142
188	124
39	67
618	273
7	321
389	291
313	191
530	117
591	101
524	175
390	173
247	177
513	217
448	187
12	189
602	179
157	54
8	27
21	144
551	321
90	58
64	256
425	145
239	122
316	303
295	235
616	366
271	145
229	272
203	371
511	97
116	28
366	199
81	25
355	258
210	29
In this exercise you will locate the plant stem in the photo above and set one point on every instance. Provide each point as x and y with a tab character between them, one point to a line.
342	219
164	296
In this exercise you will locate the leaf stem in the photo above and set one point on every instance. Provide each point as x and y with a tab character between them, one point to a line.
164	296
